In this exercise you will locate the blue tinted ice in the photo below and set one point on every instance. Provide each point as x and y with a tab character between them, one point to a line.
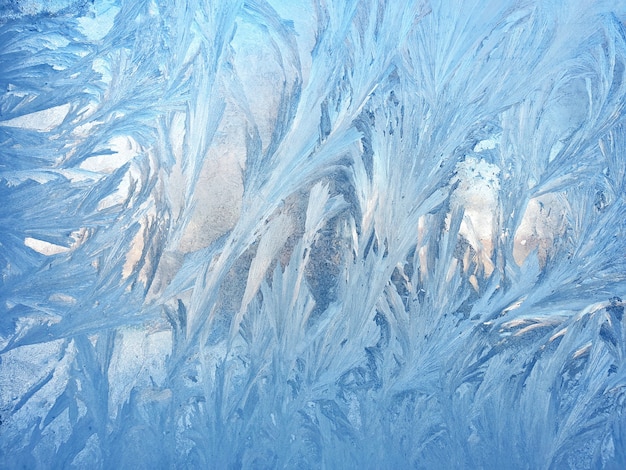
325	234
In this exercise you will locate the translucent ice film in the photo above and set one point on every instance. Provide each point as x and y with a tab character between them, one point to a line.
368	234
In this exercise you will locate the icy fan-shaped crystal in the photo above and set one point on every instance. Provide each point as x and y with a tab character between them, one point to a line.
312	234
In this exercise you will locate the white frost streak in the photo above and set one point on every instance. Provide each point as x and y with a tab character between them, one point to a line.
76	238
44	247
123	149
41	121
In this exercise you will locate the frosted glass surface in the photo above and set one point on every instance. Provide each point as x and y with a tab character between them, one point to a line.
358	234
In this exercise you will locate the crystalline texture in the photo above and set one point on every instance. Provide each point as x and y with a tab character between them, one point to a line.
279	234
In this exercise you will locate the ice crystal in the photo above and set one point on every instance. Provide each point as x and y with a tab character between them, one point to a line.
317	234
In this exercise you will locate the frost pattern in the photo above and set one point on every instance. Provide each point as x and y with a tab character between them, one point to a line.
279	234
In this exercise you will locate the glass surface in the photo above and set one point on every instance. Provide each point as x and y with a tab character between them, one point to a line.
312	234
